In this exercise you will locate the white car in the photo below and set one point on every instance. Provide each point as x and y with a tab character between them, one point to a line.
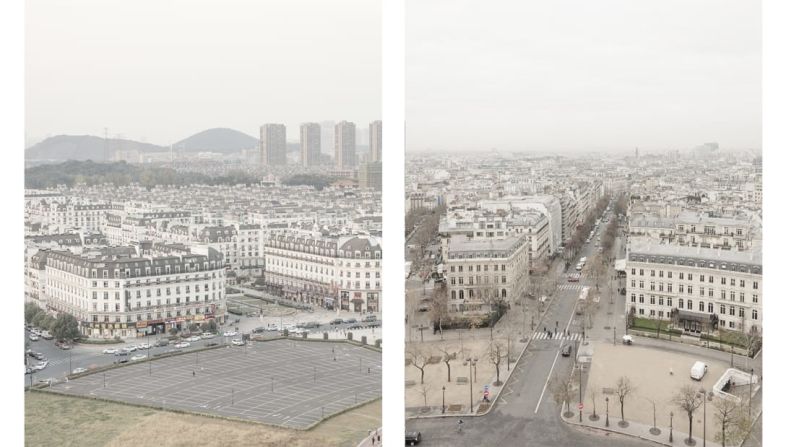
230	334
138	357
238	342
193	338
41	365
79	370
144	346
34	337
181	345
112	351
131	348
207	335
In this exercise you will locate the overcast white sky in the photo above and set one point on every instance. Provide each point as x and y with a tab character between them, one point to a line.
582	75
165	69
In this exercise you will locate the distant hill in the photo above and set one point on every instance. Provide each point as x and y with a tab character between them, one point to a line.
84	147
217	140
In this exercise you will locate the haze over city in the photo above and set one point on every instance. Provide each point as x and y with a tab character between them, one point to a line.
133	66
577	75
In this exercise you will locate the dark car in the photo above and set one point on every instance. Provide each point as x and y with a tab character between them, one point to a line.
355	326
161	342
566	351
413	437
337	321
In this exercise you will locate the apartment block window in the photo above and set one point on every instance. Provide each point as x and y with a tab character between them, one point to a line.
733	295
701	306
689	277
755	285
722	309
669	302
722	294
633	298
642	311
680	288
741	283
689	290
741	297
741	311
653	299
755	314
680	303
689	304
711	278
755	298
681	275
633	283
633	271
702	278
722	280
653	273
711	308
670	287
702	291
669	275
642	298
711	293
732	310
642	284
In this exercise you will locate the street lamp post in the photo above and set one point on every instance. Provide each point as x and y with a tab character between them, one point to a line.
671	426
443	399
472	363
750	399
607	399
580	393
702	390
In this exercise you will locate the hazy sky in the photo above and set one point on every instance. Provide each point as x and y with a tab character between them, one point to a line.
569	75
165	69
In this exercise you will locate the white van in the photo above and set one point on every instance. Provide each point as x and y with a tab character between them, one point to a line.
698	370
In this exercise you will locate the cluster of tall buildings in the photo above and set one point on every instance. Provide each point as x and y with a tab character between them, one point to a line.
314	137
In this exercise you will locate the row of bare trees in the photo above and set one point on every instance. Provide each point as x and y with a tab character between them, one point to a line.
420	356
732	416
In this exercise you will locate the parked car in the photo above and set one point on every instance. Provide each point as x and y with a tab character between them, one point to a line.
351	320
698	370
131	348
207	335
79	370
46	335
370	318
355	326
112	351
413	437
34	337
183	344
238	342
230	334
337	321
143	346
41	365
137	357
161	342
194	338
63	345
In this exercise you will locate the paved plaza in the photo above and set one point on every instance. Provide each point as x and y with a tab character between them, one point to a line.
287	383
649	371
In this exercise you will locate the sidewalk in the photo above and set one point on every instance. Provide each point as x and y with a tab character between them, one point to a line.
636	430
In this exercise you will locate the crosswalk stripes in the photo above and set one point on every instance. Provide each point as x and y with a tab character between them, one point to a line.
569	286
557	336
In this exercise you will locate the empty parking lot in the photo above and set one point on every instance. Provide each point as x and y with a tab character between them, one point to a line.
289	383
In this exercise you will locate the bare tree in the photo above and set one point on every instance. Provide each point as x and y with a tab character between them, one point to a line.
688	399
497	352
562	391
419	359
449	355
438	305
423	389
624	389
733	421
593	394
